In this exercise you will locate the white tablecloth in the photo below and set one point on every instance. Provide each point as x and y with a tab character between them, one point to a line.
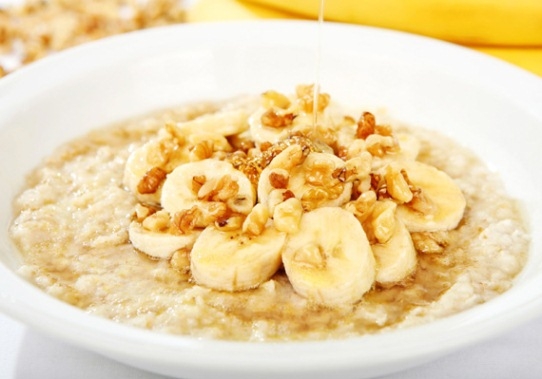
25	354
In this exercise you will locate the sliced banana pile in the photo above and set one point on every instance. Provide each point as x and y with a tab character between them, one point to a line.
341	206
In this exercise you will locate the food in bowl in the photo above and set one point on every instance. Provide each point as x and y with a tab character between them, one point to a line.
265	218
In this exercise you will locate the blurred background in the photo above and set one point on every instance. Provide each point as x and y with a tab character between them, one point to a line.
510	30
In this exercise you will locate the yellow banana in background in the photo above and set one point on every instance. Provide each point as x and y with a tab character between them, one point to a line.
472	22
529	58
509	30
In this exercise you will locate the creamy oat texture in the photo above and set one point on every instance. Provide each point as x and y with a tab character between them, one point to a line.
72	223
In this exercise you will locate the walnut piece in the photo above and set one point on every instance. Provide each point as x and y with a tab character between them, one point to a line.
218	190
287	215
151	181
256	220
430	242
273	118
199	216
200	151
362	207
366	125
379	145
156	222
397	185
382	220
305	98
278	178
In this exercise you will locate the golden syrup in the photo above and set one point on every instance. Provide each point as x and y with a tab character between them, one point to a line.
316	88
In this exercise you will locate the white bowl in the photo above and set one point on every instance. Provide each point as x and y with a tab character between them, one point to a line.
487	105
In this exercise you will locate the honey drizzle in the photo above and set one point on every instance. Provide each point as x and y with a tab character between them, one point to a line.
316	88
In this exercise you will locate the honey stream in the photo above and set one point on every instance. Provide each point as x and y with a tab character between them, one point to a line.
316	88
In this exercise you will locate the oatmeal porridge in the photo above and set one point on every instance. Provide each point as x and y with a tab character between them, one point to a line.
246	220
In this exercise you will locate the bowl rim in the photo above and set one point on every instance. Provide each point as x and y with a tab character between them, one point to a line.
103	335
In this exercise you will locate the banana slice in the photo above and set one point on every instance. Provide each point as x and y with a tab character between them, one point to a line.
301	123
218	141
261	133
409	147
311	181
329	260
441	205
179	193
226	122
158	244
317	171
396	259
235	261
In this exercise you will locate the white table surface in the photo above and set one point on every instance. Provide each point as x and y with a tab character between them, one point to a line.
25	354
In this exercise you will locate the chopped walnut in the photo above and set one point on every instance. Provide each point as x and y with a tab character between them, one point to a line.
218	190
361	186
167	154
379	145
185	220
356	148
319	173
210	212
157	221
366	125
176	134
256	220
199	216
278	178
250	167
287	195
264	146
275	197
305	98
382	220
202	150
289	157
275	119
143	211
231	223
322	180
358	168
151	181
378	184
362	207
430	242
420	202
397	185
241	143
287	215
383	130
313	197
297	148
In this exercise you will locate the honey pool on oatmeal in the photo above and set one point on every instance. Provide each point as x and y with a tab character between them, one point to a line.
241	220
